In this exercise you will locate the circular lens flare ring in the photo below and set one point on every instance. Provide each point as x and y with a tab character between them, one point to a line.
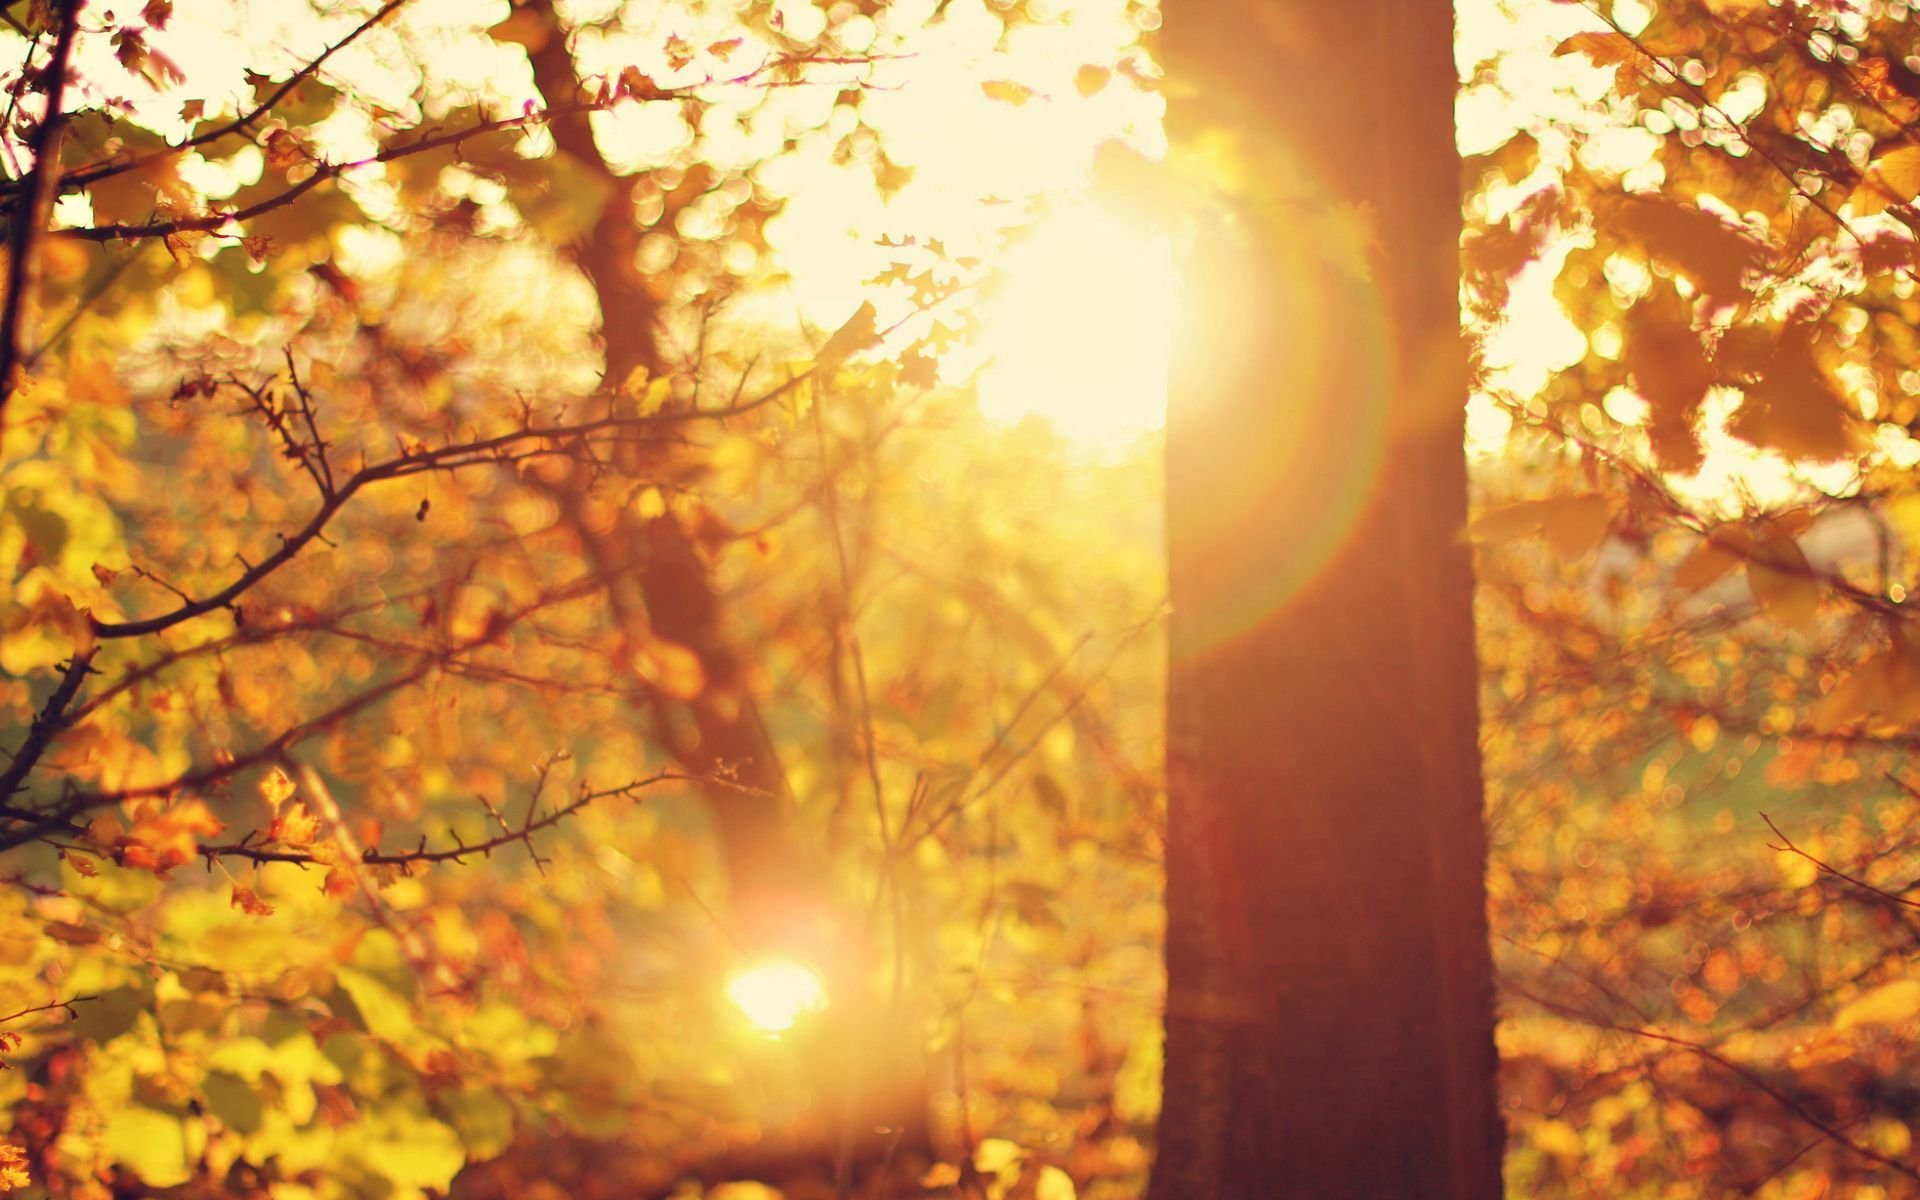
775	993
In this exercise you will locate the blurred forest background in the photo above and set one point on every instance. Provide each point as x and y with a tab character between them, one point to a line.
586	593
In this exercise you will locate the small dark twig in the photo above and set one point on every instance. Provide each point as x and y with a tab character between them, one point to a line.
1787	846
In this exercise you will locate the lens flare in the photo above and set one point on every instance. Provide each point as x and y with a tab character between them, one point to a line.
1080	335
775	993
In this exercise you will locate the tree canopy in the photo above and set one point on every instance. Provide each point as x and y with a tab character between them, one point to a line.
497	568
1697	233
528	671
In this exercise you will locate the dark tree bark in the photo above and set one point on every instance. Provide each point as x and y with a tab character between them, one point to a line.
658	586
1330	1006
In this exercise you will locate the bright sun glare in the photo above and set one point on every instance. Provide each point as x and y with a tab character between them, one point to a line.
775	993
1080	333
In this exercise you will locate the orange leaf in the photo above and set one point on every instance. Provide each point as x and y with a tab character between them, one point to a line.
1783	581
1604	49
248	901
1572	525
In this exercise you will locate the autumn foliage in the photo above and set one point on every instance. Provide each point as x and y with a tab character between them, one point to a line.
1697	554
462	623
459	620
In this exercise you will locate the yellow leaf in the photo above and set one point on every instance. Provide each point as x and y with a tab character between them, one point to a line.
1052	1184
151	1142
1888	1004
1007	91
857	334
276	789
13	1168
294	826
1714	255
1893	178
1794	407
1669	367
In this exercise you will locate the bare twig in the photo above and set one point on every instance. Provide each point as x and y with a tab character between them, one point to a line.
1787	846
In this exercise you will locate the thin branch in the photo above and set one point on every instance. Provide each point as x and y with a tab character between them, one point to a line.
51	719
1787	846
29	213
65	1006
460	851
484	451
1793	1106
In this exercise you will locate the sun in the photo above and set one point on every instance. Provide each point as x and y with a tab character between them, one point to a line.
1079	333
775	993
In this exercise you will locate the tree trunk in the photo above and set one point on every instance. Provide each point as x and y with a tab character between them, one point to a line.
658	587
1330	1005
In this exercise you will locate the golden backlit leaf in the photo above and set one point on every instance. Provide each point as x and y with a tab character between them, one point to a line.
1794	407
1007	92
857	334
1718	553
294	825
1667	365
1783	581
1557	1137
1883	692
276	788
1090	80
1893	178
1572	525
1715	256
164	836
1888	1004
